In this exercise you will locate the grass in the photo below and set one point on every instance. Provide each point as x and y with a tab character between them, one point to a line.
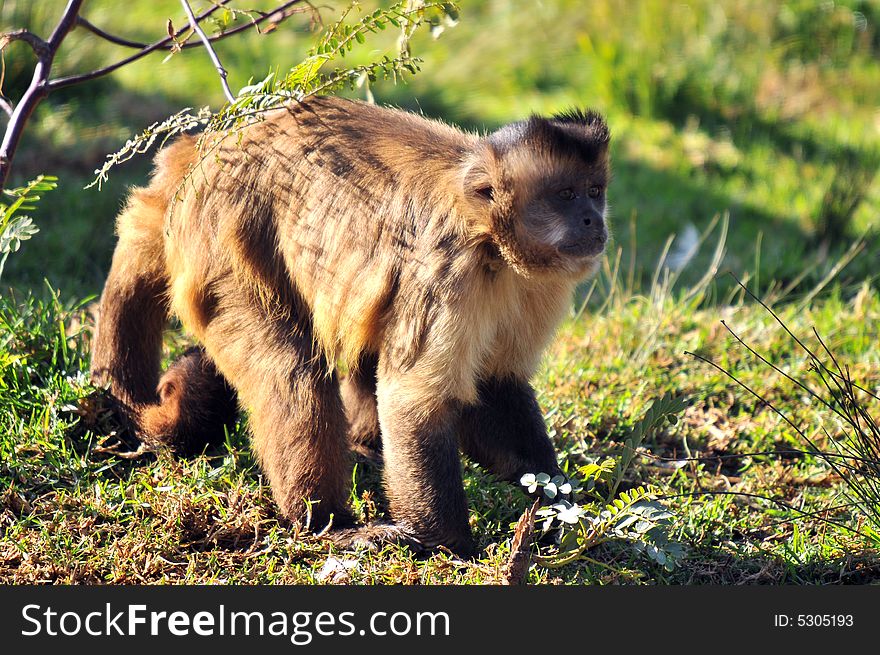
761	114
73	514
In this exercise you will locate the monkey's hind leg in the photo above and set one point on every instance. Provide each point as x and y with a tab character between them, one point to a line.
126	349
191	404
359	397
295	411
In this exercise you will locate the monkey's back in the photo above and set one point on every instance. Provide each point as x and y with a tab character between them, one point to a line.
329	204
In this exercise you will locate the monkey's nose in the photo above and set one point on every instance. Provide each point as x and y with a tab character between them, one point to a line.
596	226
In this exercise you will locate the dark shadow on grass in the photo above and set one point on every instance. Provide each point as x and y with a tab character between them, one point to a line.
725	556
855	167
710	564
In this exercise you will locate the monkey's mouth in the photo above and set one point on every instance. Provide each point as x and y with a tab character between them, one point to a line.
588	249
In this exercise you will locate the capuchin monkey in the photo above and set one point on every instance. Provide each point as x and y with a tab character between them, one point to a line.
434	264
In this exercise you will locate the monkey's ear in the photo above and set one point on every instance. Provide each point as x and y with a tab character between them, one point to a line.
481	173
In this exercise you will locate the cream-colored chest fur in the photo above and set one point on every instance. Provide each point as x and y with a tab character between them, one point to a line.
522	315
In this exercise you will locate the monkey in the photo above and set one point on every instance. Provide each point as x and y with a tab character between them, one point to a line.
432	263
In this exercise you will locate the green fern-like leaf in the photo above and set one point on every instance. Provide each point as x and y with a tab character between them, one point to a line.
14	227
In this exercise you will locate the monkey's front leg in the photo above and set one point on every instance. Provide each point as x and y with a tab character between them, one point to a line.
505	432
422	467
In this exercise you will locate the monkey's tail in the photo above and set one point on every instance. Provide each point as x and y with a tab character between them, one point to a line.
195	405
192	403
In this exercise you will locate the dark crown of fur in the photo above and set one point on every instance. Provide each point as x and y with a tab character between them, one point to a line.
580	132
586	118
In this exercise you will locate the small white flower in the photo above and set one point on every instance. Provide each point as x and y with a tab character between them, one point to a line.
571	514
529	481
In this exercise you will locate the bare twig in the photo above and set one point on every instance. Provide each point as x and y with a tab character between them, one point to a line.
162	44
37	44
819	453
282	12
194	23
45	50
517	568
38	89
780	371
859	468
275	16
112	38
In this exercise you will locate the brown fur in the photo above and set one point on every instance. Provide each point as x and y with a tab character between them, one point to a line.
359	397
435	263
196	406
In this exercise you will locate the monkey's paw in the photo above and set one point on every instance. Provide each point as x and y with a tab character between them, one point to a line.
375	536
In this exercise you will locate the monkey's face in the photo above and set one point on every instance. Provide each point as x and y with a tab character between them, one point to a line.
567	214
544	181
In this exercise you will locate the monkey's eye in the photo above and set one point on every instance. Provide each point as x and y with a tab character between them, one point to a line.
567	194
594	191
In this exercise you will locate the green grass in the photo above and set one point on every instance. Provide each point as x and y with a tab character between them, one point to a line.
765	113
74	514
